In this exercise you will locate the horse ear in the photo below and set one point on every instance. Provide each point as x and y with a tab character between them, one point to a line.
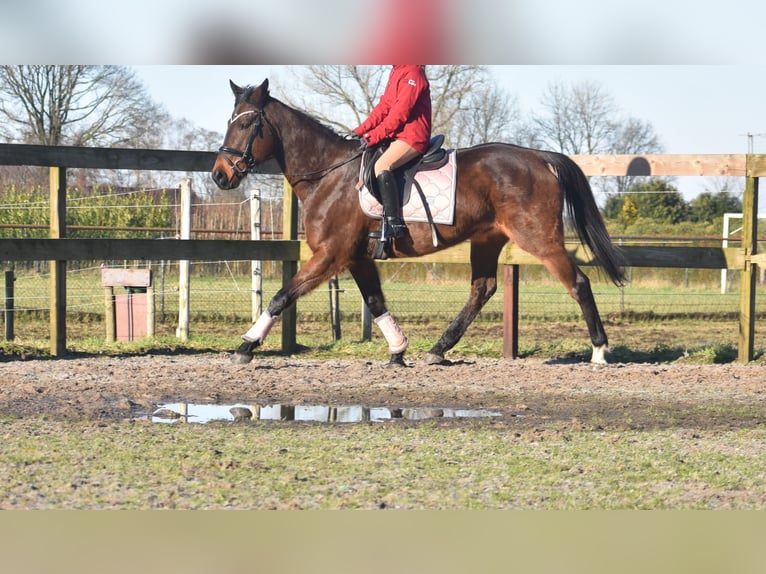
236	89
264	87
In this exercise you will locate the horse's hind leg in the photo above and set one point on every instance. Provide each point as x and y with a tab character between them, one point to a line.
484	255
578	286
365	273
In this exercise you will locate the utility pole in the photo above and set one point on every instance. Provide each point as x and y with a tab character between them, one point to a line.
750	138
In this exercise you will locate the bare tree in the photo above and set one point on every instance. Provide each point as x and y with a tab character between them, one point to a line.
631	136
75	105
467	105
491	115
581	118
91	106
340	96
577	119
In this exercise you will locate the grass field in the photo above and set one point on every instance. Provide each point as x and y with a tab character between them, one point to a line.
466	465
434	466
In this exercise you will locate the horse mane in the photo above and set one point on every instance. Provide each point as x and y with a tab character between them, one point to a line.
267	97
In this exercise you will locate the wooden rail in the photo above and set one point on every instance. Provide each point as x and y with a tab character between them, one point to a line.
148	249
663	165
58	249
106	158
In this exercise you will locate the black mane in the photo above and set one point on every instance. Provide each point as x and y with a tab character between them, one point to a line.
267	97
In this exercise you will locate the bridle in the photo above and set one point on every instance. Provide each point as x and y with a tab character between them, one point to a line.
249	161
246	156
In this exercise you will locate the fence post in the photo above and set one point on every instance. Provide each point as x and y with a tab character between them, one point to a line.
510	311
58	268
335	308
749	273
162	291
109	315
289	268
9	279
150	309
183	274
256	267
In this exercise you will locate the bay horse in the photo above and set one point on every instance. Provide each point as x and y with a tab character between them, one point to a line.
504	193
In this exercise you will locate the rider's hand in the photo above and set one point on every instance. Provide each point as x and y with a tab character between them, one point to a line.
355	137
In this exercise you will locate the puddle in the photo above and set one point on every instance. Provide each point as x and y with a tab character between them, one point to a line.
201	413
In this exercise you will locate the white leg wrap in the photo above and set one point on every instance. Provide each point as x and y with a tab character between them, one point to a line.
397	342
260	329
599	355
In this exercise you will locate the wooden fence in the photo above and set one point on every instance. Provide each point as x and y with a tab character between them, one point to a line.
58	249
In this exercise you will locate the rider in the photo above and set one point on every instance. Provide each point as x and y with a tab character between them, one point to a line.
402	116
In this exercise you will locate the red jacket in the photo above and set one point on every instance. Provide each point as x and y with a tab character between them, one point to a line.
404	110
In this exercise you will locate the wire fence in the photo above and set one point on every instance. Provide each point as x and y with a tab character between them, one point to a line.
221	291
221	295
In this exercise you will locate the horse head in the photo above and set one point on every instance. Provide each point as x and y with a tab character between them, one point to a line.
250	137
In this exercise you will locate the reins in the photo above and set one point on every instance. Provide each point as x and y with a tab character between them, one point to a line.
328	169
246	156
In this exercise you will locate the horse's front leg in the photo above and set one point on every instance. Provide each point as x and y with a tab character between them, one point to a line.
366	276
257	333
319	268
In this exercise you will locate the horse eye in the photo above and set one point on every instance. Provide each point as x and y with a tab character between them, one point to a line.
242	125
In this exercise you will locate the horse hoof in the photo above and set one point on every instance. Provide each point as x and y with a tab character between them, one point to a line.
239	358
397	360
434	359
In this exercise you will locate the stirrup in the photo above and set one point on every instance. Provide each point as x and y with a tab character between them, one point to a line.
381	250
383	239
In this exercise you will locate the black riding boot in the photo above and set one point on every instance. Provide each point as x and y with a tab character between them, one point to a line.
391	200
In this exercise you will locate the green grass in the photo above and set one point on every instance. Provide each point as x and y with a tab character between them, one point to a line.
441	465
134	465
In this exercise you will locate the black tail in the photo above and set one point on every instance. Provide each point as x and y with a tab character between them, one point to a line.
583	211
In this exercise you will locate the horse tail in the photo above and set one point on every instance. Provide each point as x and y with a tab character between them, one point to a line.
584	213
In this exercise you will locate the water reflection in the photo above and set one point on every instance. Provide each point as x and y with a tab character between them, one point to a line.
200	413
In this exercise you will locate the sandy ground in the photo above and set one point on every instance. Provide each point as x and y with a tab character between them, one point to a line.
528	392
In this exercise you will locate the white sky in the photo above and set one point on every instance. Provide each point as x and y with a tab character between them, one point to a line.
694	109
695	71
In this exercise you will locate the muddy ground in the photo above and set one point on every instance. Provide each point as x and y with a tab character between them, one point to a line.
529	392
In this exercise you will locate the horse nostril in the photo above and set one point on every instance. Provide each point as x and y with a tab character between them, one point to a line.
219	177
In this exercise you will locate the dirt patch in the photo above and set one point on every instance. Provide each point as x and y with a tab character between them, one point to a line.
529	392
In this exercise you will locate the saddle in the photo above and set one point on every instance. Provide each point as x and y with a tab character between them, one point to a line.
434	158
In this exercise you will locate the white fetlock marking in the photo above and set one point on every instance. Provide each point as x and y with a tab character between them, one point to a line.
261	328
599	355
393	334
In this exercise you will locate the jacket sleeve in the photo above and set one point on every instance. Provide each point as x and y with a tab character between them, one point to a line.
408	91
377	115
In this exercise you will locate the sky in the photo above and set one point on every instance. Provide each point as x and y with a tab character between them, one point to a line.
371	31
695	71
694	109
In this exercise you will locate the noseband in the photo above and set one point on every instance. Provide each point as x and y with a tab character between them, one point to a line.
246	156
